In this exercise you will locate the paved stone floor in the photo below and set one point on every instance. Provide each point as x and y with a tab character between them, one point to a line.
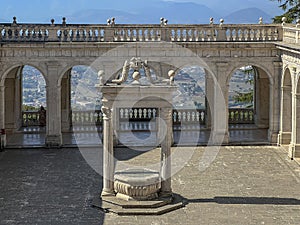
227	185
32	137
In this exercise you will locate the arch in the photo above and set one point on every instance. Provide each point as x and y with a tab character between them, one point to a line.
256	67
12	80
69	114
70	66
286	77
9	68
259	113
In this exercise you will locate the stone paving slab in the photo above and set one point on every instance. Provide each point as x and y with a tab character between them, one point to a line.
243	185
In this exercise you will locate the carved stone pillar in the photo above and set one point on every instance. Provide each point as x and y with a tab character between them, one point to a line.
166	190
66	102
209	92
2	107
219	107
108	155
53	115
2	116
294	148
284	137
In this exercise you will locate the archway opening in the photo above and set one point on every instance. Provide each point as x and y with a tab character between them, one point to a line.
34	102
80	107
249	105
190	116
24	95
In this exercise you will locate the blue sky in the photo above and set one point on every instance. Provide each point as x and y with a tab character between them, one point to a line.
43	10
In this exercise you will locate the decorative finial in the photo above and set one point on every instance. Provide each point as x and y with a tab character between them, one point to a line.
111	21
14	20
136	76
171	75
283	20
100	76
52	21
261	20
163	21
297	22
64	21
211	20
221	22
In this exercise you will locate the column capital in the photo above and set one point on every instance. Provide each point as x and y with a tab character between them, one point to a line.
107	112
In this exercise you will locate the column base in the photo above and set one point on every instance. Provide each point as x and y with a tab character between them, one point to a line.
219	138
294	151
2	141
53	141
166	194
107	193
284	138
273	137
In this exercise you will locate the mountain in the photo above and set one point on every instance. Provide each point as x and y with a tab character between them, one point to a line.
188	13
249	15
133	11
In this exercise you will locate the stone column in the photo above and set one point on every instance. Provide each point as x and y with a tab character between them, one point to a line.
166	190
284	137
53	115
18	99
219	107
108	154
262	100
274	109
294	148
209	92
2	107
2	115
66	102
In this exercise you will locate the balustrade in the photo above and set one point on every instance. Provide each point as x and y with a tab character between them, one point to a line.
89	117
19	32
30	118
241	116
180	116
291	33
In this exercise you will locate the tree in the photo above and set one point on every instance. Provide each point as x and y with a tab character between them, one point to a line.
246	97
291	10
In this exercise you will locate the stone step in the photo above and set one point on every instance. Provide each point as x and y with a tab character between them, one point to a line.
111	204
136	204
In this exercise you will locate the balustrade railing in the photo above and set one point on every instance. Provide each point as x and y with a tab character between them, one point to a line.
19	32
89	117
30	118
180	116
189	116
137	114
241	116
291	33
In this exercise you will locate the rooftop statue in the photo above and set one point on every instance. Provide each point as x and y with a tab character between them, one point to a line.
136	64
